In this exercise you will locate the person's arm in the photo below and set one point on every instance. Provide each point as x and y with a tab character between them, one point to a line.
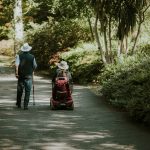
70	81
69	76
17	62
54	76
34	64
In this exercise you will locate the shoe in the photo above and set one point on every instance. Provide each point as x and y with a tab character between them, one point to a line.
18	105
25	108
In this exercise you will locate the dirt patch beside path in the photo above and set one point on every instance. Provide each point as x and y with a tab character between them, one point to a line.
6	65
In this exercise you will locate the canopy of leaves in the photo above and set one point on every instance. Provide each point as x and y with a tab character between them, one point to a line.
55	36
123	12
5	18
57	9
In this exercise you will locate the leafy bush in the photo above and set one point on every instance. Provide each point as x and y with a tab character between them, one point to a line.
127	84
6	47
53	37
4	32
84	62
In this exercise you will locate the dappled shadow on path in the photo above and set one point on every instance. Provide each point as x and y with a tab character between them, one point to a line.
92	125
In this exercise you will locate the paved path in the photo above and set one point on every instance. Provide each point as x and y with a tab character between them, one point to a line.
91	126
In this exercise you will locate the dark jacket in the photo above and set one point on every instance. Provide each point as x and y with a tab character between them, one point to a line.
26	66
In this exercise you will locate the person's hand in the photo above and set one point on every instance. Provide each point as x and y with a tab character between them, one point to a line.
17	76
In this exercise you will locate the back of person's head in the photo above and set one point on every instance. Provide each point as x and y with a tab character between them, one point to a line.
25	47
63	65
61	73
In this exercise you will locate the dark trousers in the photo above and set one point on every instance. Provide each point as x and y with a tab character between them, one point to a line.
27	85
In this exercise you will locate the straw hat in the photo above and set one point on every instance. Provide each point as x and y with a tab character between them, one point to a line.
26	47
63	65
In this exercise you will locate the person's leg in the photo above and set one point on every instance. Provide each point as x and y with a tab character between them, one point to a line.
28	85
53	90
69	97
20	87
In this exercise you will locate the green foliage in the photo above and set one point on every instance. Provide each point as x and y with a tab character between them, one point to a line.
5	8
84	62
5	18
125	13
127	84
3	32
57	9
139	110
55	36
6	52
6	47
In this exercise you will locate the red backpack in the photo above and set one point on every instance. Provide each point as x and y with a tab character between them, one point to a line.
61	90
61	84
61	81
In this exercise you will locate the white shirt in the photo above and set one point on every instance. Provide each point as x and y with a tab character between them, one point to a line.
17	62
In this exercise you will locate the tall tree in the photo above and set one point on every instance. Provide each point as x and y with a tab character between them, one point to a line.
57	9
142	8
124	14
18	25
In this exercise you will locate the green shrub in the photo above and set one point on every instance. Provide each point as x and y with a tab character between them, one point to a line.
6	52
84	62
7	47
139	109
127	84
53	37
4	31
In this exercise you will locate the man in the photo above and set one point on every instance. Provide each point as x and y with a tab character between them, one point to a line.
25	66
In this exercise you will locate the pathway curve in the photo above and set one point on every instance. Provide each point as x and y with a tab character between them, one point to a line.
91	126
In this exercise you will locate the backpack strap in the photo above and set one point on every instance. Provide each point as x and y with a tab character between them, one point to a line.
61	73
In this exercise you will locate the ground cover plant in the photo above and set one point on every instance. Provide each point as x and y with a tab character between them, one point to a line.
127	83
85	63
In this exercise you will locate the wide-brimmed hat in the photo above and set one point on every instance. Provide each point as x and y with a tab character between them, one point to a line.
63	65
26	47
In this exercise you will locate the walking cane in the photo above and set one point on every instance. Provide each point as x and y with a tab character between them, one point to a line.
33	88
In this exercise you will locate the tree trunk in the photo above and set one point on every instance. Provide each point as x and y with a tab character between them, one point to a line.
120	48
141	16
106	45
98	41
91	30
126	45
110	41
18	26
90	24
136	38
